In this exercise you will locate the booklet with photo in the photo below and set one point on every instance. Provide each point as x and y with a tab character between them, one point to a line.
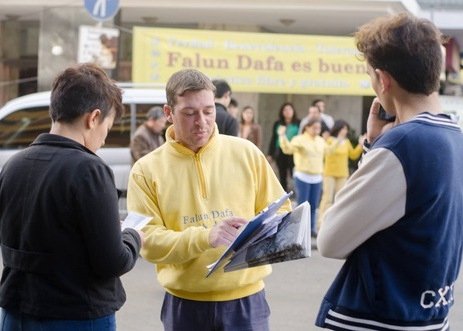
263	225
135	221
291	241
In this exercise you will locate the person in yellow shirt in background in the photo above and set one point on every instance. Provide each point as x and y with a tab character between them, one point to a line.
200	187
336	168
309	149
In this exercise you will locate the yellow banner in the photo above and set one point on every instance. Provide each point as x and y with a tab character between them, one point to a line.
253	62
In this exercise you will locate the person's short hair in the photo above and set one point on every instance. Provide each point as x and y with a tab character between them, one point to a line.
407	47
155	113
221	86
186	80
81	89
314	103
233	103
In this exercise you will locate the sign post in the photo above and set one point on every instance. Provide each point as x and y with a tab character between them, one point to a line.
102	10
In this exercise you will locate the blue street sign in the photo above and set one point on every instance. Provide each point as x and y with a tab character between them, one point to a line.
101	10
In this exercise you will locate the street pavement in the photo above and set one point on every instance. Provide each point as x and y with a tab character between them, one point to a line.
294	291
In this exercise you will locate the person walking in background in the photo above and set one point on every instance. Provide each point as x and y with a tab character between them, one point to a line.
226	123
248	128
398	221
62	246
233	108
336	165
308	149
285	164
200	188
327	119
149	135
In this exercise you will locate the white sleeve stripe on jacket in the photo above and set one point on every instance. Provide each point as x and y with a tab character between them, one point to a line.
373	199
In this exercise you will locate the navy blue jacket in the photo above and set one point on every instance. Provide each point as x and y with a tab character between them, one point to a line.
404	274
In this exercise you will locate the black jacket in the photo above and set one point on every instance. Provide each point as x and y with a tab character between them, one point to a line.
226	123
60	233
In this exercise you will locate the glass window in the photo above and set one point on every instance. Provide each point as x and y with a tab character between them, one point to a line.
19	129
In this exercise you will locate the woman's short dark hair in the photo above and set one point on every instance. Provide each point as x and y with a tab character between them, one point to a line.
81	89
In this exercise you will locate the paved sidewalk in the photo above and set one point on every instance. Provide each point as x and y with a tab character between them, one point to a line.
294	292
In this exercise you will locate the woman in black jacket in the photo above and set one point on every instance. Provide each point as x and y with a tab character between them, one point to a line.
62	246
287	117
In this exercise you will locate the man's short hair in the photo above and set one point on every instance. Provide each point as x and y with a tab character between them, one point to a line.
186	80
314	103
222	87
81	89
155	113
233	103
407	47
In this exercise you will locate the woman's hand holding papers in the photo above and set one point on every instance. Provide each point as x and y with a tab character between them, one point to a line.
142	237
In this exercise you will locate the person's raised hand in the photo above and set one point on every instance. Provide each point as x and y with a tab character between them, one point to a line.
374	124
361	139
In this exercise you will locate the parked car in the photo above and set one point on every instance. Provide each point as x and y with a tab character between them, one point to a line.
24	118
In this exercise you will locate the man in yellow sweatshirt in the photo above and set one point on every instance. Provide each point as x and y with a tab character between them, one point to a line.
201	187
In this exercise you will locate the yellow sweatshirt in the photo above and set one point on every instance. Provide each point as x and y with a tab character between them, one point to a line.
308	152
337	163
187	193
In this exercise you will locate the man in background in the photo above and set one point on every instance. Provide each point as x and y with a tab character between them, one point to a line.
233	108
226	123
314	113
149	135
327	119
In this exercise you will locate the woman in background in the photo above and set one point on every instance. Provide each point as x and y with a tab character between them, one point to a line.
309	149
248	128
336	168
285	163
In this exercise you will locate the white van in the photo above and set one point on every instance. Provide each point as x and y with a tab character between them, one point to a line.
24	118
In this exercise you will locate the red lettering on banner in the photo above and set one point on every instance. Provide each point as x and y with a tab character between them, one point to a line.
269	64
348	68
301	66
176	58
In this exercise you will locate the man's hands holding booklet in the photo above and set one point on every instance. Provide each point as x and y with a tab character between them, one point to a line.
225	232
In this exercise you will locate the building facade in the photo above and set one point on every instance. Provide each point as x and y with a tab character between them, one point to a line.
39	38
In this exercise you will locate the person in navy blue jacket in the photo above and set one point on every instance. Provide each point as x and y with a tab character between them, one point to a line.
398	221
